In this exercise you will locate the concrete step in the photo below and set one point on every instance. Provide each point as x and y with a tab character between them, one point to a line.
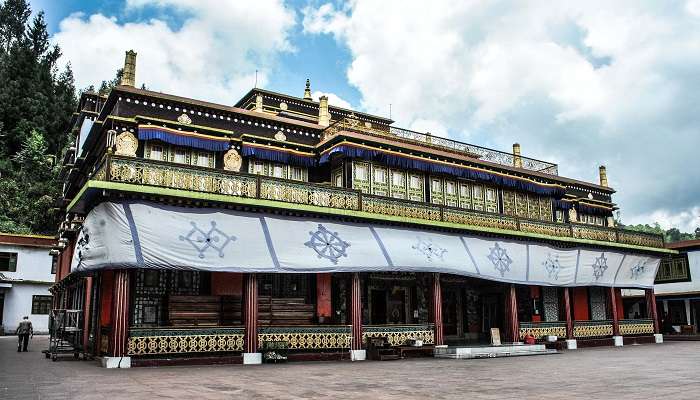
463	352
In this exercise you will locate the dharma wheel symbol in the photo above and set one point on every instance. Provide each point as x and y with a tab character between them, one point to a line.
327	244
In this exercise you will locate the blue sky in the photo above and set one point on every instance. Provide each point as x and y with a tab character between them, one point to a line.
577	83
317	57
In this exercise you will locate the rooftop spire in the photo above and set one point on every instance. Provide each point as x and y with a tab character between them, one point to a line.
307	91
129	71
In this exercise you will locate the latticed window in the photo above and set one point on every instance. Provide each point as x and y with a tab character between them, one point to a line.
41	304
8	262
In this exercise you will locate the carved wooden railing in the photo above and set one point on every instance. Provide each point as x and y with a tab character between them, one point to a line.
636	327
543	329
199	179
428	140
593	329
150	341
312	337
398	335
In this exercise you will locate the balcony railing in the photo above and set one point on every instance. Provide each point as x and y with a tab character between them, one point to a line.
315	337
593	329
162	174
482	153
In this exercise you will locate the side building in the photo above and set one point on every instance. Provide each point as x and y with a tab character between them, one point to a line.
195	229
27	272
677	288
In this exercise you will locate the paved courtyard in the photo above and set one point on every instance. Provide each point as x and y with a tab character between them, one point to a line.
669	370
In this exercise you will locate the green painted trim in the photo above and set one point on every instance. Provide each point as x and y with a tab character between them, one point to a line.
160	191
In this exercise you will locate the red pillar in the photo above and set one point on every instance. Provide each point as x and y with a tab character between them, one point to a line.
437	310
120	314
356	312
251	314
567	313
651	308
512	333
86	312
613	309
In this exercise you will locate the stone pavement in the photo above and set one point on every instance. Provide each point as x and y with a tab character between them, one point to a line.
669	370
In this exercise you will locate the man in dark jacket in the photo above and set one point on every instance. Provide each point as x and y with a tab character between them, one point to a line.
23	331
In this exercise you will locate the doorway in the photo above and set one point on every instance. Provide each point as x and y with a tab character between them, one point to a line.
452	312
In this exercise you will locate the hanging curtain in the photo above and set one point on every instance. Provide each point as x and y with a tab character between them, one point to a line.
182	138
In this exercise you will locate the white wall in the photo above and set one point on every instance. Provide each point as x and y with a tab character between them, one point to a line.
18	303
33	264
682	287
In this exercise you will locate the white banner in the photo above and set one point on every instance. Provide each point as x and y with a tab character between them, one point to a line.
151	235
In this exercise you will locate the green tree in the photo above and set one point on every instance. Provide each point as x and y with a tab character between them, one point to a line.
36	105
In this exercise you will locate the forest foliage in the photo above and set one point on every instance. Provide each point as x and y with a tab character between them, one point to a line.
37	100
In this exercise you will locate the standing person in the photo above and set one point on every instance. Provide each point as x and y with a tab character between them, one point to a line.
23	331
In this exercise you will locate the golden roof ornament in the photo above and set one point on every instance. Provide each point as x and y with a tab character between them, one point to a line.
307	91
184	119
232	161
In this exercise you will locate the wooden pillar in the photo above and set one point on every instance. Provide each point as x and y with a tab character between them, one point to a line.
437	310
512	333
567	313
651	308
120	313
87	306
251	313
614	311
356	311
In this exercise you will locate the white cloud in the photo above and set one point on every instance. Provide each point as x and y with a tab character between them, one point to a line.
211	55
333	99
579	83
686	220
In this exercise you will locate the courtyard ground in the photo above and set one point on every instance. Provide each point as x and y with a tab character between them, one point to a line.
653	371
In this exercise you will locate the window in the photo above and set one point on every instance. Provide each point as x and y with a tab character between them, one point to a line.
397	178
203	159
296	174
278	171
156	152
449	187
41	304
437	185
180	156
8	262
380	175
54	265
416	182
258	168
361	172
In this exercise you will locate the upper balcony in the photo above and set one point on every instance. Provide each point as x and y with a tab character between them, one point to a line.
164	179
428	140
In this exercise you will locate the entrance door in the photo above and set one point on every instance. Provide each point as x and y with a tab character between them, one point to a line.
378	311
490	314
452	312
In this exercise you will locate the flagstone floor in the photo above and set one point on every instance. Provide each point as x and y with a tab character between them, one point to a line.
668	370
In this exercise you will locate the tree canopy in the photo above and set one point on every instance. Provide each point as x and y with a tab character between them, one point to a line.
36	104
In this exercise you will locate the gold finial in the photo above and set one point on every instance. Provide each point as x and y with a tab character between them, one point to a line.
307	91
517	160
129	71
603	173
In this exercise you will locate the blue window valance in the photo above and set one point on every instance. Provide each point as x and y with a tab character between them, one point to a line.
182	138
582	208
286	156
406	161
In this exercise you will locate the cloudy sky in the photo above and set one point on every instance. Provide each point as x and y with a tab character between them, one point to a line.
577	83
